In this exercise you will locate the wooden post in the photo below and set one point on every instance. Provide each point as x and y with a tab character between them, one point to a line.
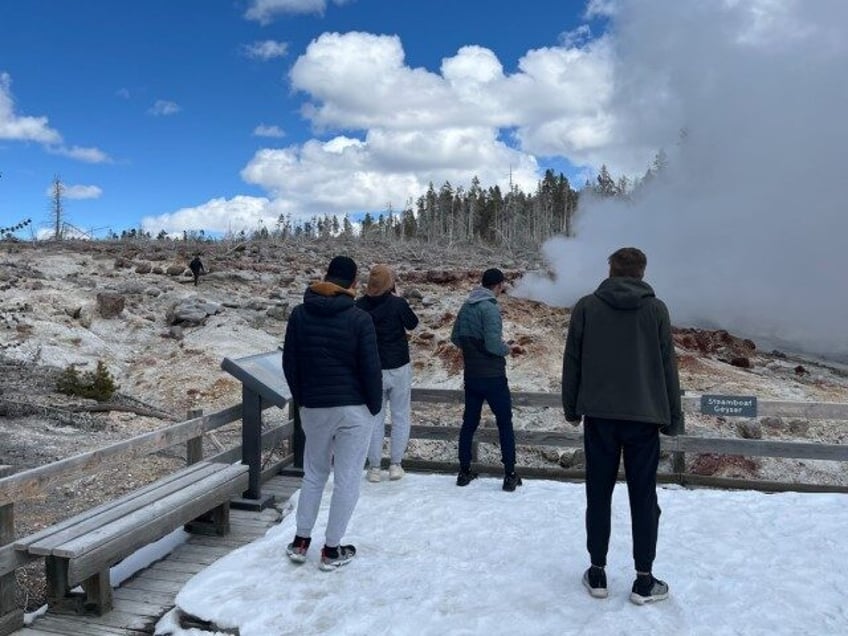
11	618
98	593
678	462
678	466
56	571
194	446
215	522
298	436
251	440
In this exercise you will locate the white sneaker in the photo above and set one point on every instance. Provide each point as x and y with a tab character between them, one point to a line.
373	475
396	472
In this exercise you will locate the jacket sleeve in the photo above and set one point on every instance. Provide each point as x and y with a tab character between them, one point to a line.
371	374
291	368
493	330
572	363
454	337
672	379
407	316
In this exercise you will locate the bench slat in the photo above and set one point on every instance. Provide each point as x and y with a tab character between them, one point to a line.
43	542
121	538
76	546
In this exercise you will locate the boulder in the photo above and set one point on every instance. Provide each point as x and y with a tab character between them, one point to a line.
191	311
131	287
256	304
278	312
749	429
110	304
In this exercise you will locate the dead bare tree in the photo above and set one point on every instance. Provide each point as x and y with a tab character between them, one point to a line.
57	210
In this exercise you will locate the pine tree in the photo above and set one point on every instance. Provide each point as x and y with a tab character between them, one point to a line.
605	184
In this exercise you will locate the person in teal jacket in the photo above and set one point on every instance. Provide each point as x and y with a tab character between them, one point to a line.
619	374
478	331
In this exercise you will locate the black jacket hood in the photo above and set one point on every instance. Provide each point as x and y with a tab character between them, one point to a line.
621	292
325	299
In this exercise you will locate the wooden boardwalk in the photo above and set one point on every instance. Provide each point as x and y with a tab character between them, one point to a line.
143	599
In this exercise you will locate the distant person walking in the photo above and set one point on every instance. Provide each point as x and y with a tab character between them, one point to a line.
619	374
196	268
392	317
332	367
478	331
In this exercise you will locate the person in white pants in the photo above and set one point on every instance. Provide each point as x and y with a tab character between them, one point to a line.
392	317
397	388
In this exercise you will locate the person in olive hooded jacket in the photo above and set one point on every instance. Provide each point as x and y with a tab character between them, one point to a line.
393	317
619	374
332	367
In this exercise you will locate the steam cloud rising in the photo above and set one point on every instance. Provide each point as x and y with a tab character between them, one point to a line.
747	228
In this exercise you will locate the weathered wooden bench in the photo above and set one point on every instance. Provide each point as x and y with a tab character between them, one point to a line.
80	550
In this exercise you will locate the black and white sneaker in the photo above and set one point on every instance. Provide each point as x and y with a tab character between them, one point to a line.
296	550
465	477
595	580
334	558
511	482
647	589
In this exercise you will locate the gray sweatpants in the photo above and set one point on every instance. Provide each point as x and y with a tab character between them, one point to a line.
337	440
397	384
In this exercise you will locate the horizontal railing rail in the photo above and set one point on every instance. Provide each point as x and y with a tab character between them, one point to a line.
691	403
32	482
568	437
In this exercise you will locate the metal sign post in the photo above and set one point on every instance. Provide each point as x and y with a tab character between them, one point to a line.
262	379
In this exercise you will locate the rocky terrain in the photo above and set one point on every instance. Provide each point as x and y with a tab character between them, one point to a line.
134	307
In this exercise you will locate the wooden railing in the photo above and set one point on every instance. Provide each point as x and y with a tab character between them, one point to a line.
569	437
33	483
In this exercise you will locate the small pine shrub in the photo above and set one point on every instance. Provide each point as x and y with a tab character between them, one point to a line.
96	385
69	381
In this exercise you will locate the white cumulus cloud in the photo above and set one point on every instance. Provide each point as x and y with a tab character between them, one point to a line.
240	213
263	130
266	50
22	128
264	11
77	191
163	107
88	155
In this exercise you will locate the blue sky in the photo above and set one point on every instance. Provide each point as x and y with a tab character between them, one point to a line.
148	108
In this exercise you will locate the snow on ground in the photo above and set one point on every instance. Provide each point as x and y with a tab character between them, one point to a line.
436	559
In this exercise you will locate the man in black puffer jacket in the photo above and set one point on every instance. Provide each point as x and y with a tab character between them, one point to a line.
332	367
619	374
393	317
